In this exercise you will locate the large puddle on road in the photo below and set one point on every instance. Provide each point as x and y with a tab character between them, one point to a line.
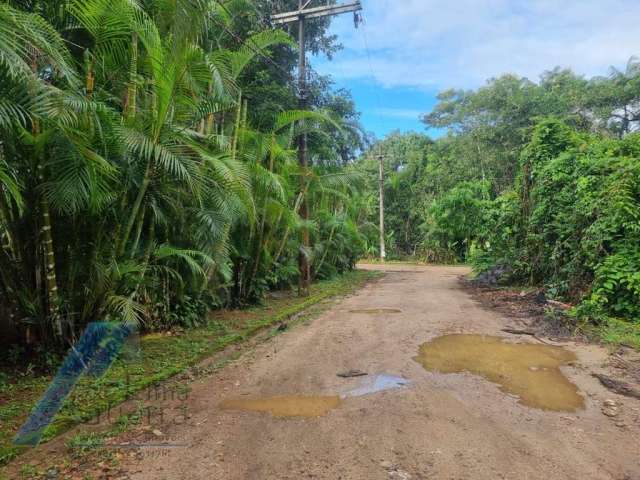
530	371
287	406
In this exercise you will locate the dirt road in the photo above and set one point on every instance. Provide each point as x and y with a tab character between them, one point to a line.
455	426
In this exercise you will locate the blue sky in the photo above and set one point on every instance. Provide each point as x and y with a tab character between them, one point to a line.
420	47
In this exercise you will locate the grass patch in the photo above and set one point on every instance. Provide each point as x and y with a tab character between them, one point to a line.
163	356
618	332
83	443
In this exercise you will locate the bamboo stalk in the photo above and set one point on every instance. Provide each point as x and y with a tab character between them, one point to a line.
260	239
132	88
234	140
51	281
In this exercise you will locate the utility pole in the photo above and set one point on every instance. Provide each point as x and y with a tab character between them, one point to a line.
383	253
301	16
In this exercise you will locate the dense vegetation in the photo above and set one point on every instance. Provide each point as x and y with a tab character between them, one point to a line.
148	171
147	163
542	179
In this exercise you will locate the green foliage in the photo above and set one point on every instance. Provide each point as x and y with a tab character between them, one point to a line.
83	443
578	220
616	286
147	164
503	231
405	163
619	332
542	179
457	218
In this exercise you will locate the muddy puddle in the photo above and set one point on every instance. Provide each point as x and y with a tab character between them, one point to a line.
315	406
376	311
287	406
530	371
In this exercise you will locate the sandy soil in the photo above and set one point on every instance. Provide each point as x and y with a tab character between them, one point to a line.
456	426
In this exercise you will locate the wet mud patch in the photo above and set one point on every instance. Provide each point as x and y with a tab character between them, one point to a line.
530	371
286	406
375	311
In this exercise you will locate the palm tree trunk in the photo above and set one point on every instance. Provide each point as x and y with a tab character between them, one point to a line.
132	89
129	110
326	250
9	273
51	282
296	208
51	300
136	239
7	239
234	141
260	243
146	180
89	80
209	122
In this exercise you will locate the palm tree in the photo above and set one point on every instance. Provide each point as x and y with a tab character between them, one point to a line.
130	178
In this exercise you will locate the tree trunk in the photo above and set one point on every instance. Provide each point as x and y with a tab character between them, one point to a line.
146	180
132	89
260	239
234	140
326	250
52	300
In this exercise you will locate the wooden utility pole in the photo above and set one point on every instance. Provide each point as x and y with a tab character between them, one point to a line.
383	253
301	16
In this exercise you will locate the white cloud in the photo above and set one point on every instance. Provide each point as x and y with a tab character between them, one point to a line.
461	43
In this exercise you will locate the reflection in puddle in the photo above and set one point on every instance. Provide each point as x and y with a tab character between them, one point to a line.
527	370
289	406
379	383
375	311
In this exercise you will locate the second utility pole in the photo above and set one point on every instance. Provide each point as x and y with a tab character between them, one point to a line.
383	253
301	15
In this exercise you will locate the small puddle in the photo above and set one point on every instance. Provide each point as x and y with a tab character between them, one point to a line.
530	371
287	406
376	311
313	406
379	383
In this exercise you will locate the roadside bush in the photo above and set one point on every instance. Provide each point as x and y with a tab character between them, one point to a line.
616	287
457	218
573	222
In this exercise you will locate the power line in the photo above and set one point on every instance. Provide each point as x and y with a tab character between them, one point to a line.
380	157
244	42
301	16
368	51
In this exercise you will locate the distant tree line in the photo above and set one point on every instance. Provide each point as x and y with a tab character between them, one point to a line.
542	178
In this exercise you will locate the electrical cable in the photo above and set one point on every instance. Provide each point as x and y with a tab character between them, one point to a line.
370	63
243	42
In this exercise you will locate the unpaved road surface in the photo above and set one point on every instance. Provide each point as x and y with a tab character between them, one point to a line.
456	426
